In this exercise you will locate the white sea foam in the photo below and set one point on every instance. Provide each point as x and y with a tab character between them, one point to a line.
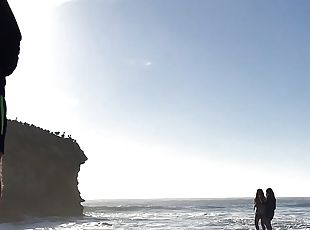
232	214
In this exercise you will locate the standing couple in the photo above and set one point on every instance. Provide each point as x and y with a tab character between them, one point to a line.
265	207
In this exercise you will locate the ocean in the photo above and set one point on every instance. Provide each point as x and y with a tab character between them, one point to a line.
165	214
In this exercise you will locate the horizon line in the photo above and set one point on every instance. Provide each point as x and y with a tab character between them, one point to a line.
193	198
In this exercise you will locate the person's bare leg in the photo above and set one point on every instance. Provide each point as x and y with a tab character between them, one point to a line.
256	223
268	225
262	222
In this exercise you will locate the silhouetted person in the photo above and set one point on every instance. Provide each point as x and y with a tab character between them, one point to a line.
270	206
10	38
259	206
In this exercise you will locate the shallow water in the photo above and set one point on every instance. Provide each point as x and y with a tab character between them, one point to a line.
233	214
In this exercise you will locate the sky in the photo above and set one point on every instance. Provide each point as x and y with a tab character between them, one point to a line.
171	98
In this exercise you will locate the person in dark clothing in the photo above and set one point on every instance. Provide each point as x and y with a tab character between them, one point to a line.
10	38
270	206
259	206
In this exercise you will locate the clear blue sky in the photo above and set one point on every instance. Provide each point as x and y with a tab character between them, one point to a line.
181	98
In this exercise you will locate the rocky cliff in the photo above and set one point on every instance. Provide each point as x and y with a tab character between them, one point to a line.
40	171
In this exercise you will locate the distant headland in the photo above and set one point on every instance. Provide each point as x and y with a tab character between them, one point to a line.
40	170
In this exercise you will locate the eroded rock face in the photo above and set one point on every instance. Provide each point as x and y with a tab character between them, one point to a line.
40	171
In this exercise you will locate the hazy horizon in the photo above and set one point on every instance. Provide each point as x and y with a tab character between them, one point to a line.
188	198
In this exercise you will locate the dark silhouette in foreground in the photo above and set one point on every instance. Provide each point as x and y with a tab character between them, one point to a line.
10	38
265	207
40	174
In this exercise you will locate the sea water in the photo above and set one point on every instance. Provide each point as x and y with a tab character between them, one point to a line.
165	214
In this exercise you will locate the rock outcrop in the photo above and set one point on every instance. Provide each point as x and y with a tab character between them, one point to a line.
40	171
